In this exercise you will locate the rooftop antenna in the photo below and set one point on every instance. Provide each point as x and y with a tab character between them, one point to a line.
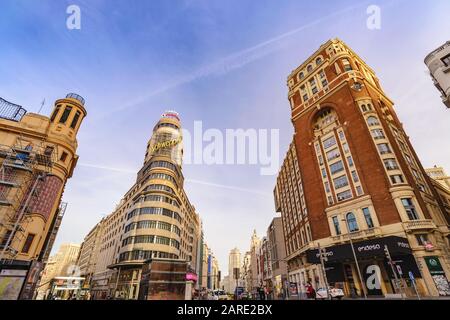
42	105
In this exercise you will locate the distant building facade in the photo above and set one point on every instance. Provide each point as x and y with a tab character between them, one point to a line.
438	62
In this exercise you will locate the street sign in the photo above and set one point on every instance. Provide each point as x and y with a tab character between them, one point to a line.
399	269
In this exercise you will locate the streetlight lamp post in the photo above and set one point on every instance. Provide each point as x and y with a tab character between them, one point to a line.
356	259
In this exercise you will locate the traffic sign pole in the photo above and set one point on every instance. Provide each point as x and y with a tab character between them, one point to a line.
413	280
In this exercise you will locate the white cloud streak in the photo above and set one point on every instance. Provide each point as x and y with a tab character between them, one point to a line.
205	183
233	61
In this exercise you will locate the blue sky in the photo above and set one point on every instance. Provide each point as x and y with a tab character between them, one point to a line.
222	62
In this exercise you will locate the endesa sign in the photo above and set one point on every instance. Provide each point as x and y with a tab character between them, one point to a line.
367	248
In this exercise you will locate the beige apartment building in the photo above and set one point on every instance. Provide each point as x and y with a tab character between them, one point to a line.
37	156
62	264
277	254
153	220
89	252
438	62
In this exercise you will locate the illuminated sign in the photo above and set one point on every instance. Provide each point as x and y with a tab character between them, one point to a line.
166	144
191	276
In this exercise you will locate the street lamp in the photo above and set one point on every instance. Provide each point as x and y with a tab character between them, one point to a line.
356	259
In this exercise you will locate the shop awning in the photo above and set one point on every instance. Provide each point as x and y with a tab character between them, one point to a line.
373	248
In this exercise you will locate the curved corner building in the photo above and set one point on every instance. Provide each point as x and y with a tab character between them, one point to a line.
158	220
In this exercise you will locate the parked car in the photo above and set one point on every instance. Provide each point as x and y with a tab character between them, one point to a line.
220	294
335	293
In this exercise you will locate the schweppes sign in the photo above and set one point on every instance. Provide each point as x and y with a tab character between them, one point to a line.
166	144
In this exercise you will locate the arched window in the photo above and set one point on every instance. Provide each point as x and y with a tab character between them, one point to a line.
351	222
318	60
372	121
309	68
301	75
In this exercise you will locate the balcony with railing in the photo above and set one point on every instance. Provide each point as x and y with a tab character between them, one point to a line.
76	97
11	111
361	234
422	224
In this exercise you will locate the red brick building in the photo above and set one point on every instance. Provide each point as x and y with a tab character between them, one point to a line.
360	180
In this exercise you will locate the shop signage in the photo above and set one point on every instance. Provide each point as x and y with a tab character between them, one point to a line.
166	144
191	276
363	249
438	275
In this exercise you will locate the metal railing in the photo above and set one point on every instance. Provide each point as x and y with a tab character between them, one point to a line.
76	97
11	111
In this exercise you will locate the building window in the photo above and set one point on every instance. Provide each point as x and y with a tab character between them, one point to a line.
422	239
368	217
344	195
301	75
410	209
363	108
327	186
312	83
65	115
336	167
351	222
320	159
390	164
359	190
337	228
397	178
28	242
75	120
355	176
63	156
318	60
55	113
340	182
408	158
324	173
327	143
309	68
341	135
333	154
346	64
323	78
330	200
446	60
372	121
350	161
383	148
345	147
377	134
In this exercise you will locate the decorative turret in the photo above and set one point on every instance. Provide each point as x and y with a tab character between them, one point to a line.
68	115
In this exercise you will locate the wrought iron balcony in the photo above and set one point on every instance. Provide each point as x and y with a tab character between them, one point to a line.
11	111
76	97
